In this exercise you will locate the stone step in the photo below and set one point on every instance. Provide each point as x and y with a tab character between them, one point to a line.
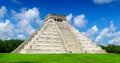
52	36
49	39
68	38
45	43
85	43
34	47
44	51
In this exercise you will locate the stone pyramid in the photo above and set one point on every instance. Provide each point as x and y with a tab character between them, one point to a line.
57	36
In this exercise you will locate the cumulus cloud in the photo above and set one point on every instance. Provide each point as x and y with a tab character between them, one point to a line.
2	11
99	38
115	41
28	15
92	31
25	20
109	33
6	27
103	33
6	30
102	1
23	25
69	18
80	21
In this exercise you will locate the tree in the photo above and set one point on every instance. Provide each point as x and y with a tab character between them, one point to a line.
9	45
111	48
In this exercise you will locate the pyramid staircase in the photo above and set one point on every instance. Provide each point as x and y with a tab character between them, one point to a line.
57	36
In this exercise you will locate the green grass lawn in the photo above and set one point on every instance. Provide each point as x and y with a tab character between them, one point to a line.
59	58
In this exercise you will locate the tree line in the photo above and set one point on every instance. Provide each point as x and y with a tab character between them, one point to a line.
111	48
7	46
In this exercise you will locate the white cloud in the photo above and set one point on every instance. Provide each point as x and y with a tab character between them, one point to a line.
25	27
112	26
115	41
69	18
104	33
109	33
29	15
116	34
25	23
6	29
21	36
25	20
39	22
102	1
80	20
3	11
99	38
92	31
16	2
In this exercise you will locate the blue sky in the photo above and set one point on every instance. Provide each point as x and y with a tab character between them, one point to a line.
97	19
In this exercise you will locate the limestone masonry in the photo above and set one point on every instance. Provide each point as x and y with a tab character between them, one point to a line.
57	36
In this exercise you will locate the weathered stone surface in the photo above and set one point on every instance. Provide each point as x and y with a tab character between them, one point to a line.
57	36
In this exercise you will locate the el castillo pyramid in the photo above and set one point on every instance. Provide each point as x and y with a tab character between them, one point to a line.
57	36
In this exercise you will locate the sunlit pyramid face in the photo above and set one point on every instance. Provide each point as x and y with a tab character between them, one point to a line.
57	36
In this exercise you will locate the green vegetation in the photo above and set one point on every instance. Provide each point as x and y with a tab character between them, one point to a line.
9	45
59	58
111	49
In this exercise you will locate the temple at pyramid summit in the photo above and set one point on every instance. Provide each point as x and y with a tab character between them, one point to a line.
56	36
